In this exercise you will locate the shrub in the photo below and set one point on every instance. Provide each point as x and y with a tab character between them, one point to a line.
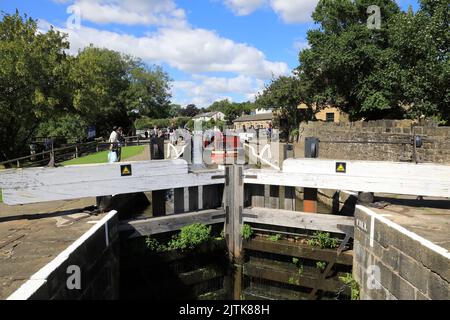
348	280
247	232
323	240
275	237
321	265
190	237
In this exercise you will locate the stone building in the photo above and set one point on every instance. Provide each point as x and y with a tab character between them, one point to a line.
260	119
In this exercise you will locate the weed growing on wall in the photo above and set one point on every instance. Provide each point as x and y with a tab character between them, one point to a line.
323	240
247	232
348	280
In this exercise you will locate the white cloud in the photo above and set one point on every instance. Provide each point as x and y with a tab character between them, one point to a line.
203	90
244	7
187	49
290	11
130	12
294	11
300	44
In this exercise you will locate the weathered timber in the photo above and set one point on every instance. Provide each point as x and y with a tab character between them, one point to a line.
281	275
364	176
157	225
299	250
301	220
49	184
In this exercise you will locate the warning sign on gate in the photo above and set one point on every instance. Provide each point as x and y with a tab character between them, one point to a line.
125	170
341	167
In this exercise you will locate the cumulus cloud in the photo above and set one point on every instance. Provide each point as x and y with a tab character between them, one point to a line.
294	11
130	12
244	7
187	49
290	11
203	90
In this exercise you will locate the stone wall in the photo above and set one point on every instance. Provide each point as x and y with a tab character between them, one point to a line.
391	140
410	268
96	254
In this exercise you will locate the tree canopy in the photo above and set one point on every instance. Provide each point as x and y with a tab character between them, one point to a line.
45	91
398	71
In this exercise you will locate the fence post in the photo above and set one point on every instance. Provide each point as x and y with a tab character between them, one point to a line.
234	203
76	151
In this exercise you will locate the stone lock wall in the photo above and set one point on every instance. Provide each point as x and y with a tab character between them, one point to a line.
392	140
389	263
96	254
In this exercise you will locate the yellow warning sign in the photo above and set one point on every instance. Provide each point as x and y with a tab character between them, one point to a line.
341	167
125	170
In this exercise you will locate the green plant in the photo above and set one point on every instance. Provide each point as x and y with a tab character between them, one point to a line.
275	237
297	263
221	236
154	245
348	280
247	232
323	240
321	265
190	237
291	280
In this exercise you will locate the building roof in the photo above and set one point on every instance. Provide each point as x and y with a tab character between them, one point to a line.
207	114
255	117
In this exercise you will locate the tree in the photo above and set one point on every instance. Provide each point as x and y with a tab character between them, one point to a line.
232	110
33	83
148	91
400	70
100	83
71	126
191	110
283	94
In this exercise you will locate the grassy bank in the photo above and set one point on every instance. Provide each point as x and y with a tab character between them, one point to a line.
102	157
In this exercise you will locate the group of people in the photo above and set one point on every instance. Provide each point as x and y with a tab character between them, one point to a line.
116	141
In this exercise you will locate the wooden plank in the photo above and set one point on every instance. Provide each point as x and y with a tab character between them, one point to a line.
200	197
159	203
151	226
178	195
295	219
289	198
383	177
193	198
64	186
300	251
274	197
30	177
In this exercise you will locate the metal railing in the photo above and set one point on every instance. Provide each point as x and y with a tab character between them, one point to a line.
69	152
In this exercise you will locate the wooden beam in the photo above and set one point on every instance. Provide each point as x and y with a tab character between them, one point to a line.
147	227
300	220
366	176
72	182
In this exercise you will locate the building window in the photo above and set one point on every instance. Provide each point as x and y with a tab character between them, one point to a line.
330	116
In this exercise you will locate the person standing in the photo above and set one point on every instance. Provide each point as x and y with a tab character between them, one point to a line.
120	144
113	145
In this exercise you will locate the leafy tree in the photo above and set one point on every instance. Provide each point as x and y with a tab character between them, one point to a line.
100	82
232	110
72	126
148	91
284	95
191	110
400	70
33	84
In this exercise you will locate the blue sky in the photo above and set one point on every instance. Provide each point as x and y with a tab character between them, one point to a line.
212	49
